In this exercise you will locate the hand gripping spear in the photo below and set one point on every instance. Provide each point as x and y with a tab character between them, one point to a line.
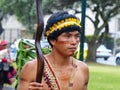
40	28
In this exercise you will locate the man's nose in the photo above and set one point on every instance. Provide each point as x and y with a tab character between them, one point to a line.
74	40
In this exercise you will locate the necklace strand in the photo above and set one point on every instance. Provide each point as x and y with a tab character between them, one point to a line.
70	84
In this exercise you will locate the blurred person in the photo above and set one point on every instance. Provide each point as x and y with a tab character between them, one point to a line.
7	72
61	70
13	50
4	51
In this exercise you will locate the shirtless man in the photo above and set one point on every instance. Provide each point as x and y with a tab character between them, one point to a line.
61	71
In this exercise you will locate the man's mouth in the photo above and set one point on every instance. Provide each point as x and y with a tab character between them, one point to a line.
72	49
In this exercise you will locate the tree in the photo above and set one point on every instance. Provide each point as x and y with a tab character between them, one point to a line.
103	12
25	10
1	18
58	5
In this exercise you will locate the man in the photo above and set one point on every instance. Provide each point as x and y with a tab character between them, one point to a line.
61	70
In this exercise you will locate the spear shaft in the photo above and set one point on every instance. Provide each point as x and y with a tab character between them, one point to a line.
40	28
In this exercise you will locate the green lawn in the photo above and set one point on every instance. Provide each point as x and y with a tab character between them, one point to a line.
104	77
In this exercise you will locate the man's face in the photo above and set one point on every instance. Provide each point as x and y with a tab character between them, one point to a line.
67	43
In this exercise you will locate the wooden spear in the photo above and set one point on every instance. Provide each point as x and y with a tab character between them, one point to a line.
40	28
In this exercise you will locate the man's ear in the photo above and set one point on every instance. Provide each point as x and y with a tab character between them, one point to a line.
53	41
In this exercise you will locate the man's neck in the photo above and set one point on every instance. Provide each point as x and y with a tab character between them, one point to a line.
59	60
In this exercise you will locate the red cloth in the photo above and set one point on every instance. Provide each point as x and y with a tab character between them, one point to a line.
3	42
4	60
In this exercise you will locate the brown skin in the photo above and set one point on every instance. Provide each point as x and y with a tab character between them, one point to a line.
61	61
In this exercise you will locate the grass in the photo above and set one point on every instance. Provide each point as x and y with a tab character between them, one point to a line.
104	77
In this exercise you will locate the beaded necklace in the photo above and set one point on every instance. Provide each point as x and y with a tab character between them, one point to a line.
51	80
50	77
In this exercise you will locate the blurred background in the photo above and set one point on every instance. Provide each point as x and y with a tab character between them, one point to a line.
101	40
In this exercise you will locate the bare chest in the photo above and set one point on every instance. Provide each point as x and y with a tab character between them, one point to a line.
65	80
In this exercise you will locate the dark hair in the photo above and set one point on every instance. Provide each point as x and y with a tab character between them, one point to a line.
56	17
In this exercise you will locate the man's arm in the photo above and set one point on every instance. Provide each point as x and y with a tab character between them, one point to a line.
28	77
83	67
86	74
25	77
23	84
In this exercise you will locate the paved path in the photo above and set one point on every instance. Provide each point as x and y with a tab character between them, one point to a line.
109	61
8	88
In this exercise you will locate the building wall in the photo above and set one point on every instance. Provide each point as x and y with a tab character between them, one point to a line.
12	29
114	24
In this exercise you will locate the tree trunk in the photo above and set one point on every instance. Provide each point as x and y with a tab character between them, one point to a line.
91	52
107	28
1	29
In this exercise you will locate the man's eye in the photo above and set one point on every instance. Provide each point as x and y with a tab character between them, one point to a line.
77	36
67	35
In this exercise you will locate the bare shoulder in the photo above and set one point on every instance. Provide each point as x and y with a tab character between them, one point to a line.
83	70
82	75
29	70
81	63
82	66
30	64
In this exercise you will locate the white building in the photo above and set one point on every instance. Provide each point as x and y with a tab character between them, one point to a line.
114	24
12	29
